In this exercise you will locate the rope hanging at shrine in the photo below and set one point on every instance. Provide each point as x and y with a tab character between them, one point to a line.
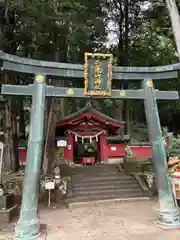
87	137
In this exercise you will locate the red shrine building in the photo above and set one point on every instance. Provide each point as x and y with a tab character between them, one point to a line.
91	137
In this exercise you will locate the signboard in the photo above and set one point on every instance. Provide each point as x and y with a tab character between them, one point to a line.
113	148
98	74
50	185
61	143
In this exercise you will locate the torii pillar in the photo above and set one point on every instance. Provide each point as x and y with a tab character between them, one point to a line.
28	226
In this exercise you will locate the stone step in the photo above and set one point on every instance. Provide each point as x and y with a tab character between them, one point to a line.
101	191
95	169
101	178
96	173
105	186
106	182
93	203
121	195
102	183
97	165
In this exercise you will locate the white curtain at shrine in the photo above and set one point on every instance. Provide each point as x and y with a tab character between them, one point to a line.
89	137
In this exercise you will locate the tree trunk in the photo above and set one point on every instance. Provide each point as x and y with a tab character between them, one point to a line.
10	162
21	130
15	157
49	149
123	60
48	103
7	158
175	21
119	110
126	118
126	61
55	112
49	136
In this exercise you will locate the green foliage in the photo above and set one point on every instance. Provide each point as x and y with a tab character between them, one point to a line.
138	34
40	28
174	146
173	143
139	133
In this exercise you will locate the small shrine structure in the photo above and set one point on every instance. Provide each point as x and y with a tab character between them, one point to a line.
91	137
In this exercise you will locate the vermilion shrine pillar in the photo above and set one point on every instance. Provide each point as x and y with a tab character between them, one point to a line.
28	224
103	148
168	213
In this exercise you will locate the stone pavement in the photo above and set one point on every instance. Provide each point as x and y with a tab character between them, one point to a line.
115	221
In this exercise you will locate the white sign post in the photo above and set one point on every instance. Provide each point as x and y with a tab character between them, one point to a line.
113	148
49	186
61	143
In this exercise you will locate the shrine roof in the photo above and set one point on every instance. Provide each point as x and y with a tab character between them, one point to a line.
88	110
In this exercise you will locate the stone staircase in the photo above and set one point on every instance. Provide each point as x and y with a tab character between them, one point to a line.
103	183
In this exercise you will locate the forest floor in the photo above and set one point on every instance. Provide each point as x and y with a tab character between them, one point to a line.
118	221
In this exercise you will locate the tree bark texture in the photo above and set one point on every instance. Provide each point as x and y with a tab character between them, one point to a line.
10	159
55	112
175	21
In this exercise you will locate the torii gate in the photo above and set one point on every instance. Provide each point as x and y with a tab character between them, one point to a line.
98	73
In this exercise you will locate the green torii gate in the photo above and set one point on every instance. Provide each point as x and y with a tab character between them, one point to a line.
28	225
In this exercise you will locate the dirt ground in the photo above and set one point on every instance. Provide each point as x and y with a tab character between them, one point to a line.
107	221
117	221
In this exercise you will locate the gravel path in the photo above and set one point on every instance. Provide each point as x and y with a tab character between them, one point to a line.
118	221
